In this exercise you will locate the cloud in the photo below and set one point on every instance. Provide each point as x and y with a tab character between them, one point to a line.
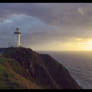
49	13
81	11
42	23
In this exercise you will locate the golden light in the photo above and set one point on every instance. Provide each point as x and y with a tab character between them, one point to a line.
86	44
90	44
78	44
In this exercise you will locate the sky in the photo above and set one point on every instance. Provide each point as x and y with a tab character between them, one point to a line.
47	26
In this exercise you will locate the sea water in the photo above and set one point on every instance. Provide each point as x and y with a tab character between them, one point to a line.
79	65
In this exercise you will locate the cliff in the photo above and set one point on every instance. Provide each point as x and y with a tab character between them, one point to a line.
23	68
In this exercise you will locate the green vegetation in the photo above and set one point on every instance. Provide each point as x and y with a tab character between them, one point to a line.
22	68
10	75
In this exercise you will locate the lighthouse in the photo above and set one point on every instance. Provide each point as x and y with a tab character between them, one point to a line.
18	33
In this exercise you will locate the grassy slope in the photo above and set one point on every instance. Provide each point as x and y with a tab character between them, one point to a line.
28	68
32	62
10	76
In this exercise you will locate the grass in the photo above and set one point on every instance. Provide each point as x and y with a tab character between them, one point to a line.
10	76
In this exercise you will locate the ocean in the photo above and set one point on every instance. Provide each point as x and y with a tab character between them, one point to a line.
79	65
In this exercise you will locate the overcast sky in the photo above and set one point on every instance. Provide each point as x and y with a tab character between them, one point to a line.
45	26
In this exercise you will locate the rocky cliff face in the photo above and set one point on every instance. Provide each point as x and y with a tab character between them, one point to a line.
24	68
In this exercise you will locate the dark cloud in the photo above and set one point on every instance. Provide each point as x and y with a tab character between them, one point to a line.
49	13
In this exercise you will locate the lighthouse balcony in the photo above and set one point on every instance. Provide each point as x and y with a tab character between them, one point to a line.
17	32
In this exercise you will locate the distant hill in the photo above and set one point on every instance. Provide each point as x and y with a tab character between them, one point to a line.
23	68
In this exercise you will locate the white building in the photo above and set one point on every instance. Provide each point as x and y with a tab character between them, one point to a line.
18	33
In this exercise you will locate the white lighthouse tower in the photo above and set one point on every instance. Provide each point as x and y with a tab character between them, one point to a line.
18	33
